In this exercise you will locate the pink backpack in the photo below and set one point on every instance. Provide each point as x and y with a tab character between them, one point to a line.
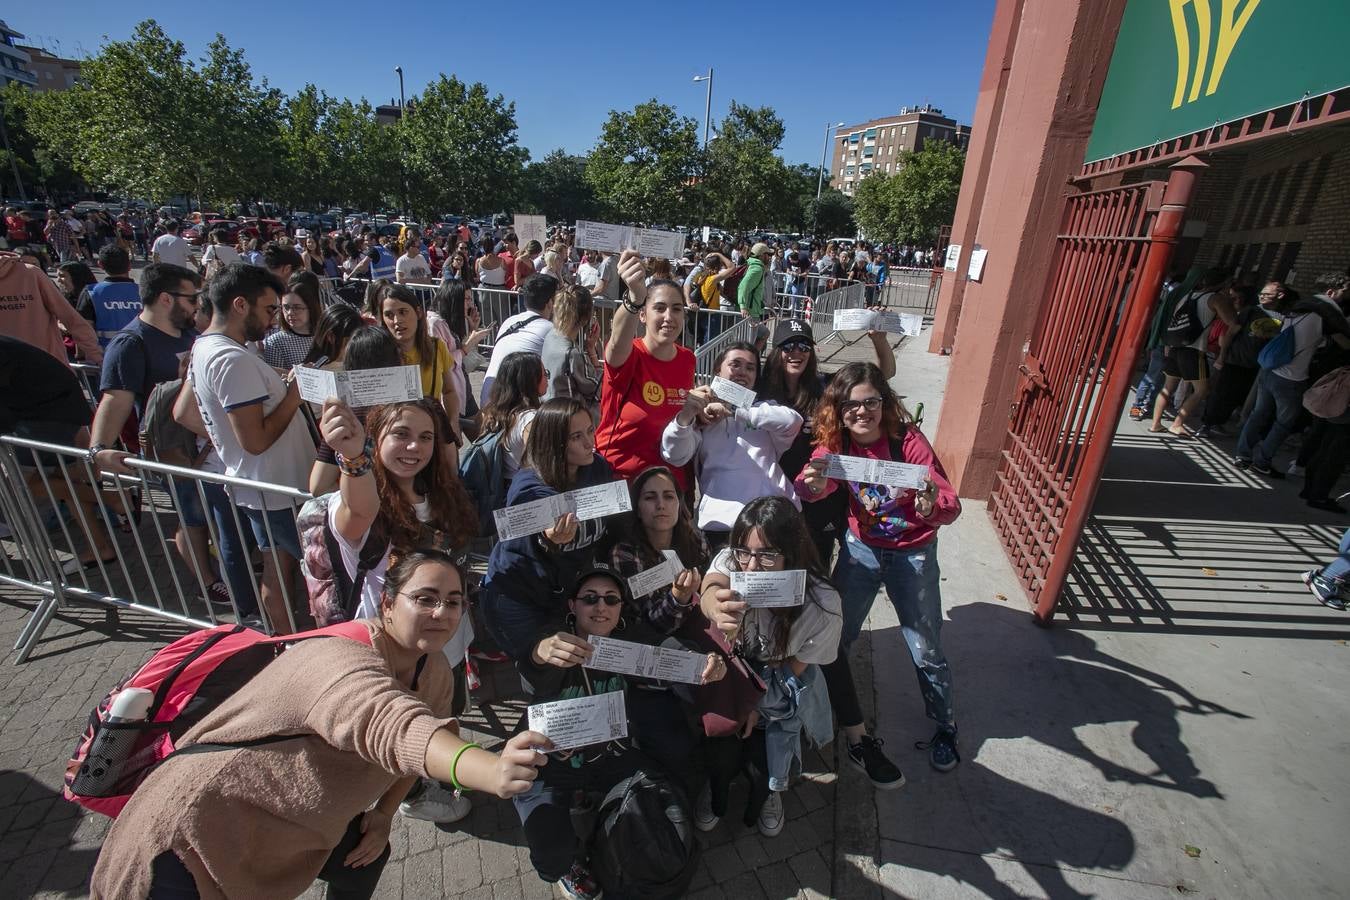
189	678
1330	396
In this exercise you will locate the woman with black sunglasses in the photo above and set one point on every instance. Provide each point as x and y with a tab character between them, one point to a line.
555	671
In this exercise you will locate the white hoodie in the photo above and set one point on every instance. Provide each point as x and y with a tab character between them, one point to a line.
737	459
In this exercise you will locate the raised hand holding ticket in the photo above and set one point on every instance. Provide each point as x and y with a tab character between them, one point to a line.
646	661
768	590
582	721
733	393
862	470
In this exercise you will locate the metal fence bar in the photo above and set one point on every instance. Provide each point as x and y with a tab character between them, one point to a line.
56	477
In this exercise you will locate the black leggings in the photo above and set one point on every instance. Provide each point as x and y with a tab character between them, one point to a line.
726	757
171	880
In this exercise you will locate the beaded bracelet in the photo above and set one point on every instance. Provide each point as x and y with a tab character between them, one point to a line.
454	764
357	465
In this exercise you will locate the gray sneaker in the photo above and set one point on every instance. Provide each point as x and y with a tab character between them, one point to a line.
436	804
1327	591
704	817
771	815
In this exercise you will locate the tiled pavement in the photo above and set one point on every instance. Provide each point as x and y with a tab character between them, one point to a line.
48	846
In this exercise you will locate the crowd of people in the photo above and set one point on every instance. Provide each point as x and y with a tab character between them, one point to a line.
726	488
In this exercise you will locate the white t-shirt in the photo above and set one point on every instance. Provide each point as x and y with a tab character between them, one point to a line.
1307	337
172	249
529	339
226	376
515	441
369	607
225	254
413	268
588	276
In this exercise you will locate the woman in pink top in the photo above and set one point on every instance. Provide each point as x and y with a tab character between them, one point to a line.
892	531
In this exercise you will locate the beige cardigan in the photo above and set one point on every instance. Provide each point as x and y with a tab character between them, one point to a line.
260	822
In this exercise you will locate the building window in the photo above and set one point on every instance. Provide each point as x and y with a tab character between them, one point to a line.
904	129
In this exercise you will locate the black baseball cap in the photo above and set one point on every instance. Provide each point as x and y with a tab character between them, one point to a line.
793	330
600	568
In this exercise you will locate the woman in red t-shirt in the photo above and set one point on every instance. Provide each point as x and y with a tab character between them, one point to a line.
646	379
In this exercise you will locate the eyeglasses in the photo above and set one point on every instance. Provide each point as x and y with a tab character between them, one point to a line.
871	404
429	603
293	307
1267	296
796	346
765	558
592	599
194	296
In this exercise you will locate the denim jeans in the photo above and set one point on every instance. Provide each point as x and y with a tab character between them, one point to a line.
234	543
1279	403
280	523
1151	382
913	584
1339	568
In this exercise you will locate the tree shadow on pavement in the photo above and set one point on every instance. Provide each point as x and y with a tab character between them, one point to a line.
46	843
1024	696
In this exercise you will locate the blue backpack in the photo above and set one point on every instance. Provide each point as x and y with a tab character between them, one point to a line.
1281	349
482	469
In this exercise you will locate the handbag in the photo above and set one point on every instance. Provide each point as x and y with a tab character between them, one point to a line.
723	705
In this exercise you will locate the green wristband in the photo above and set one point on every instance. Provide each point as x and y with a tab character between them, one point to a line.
454	764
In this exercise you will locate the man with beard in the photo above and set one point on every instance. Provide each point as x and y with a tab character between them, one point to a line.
250	414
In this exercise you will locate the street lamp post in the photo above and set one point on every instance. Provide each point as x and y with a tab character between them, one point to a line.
403	168
820	180
707	126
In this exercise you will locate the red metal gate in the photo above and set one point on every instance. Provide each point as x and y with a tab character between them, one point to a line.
1113	249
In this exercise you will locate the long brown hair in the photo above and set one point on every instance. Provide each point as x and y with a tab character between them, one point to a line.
685	540
423	341
452	512
546	447
829	422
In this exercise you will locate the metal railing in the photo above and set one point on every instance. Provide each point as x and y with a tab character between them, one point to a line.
144	557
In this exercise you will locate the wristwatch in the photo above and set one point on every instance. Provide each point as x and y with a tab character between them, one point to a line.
95	450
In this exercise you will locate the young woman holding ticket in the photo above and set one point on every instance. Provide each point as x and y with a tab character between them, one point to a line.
736	442
790	378
646	378
363	722
785	643
403	316
523	592
892	531
555	670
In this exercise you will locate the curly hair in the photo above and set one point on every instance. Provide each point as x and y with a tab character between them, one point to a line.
452	511
829	422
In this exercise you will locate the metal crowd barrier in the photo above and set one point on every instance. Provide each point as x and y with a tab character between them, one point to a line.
157	566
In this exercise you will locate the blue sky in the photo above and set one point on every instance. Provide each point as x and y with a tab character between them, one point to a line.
815	63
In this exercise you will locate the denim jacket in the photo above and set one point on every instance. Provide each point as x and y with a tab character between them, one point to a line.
793	704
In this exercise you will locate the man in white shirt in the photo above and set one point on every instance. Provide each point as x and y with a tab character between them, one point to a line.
588	273
172	249
250	415
412	267
524	332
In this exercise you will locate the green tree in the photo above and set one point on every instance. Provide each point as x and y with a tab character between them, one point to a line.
459	147
556	186
40	172
911	205
308	145
642	165
832	216
747	181
236	146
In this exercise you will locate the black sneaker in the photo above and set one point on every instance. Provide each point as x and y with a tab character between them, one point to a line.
942	752
866	757
1241	463
580	884
1266	470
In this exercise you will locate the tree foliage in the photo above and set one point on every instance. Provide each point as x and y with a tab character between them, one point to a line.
747	181
38	168
459	146
556	187
641	167
832	216
911	205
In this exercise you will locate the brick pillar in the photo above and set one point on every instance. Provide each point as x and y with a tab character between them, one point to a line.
1051	58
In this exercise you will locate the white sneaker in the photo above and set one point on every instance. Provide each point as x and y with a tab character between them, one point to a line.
1295	470
436	804
771	816
704	817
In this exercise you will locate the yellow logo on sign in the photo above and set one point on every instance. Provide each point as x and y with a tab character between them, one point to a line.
653	393
1231	24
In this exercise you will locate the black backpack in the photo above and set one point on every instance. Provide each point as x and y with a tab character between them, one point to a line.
1185	326
644	844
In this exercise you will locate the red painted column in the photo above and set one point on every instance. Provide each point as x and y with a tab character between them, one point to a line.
1057	53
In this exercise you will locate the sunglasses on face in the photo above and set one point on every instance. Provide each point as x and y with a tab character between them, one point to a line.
592	599
795	346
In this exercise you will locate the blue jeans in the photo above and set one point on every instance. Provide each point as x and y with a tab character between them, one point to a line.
1279	403
284	534
1152	382
1339	568
913	583
234	544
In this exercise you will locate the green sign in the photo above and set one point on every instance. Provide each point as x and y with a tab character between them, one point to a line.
1182	66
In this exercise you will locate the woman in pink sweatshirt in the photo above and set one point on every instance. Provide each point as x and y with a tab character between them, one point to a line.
367	720
892	530
31	306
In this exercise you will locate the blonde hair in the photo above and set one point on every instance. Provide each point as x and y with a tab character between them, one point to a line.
572	310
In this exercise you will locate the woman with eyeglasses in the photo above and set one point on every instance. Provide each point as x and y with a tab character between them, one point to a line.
892	535
288	345
735	449
523	593
786	646
362	723
396	491
596	607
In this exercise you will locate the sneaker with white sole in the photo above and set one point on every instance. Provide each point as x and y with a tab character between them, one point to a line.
771	816
1326	590
1295	470
580	884
436	804
866	757
704	817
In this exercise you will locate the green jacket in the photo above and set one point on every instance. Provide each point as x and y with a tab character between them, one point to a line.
750	294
